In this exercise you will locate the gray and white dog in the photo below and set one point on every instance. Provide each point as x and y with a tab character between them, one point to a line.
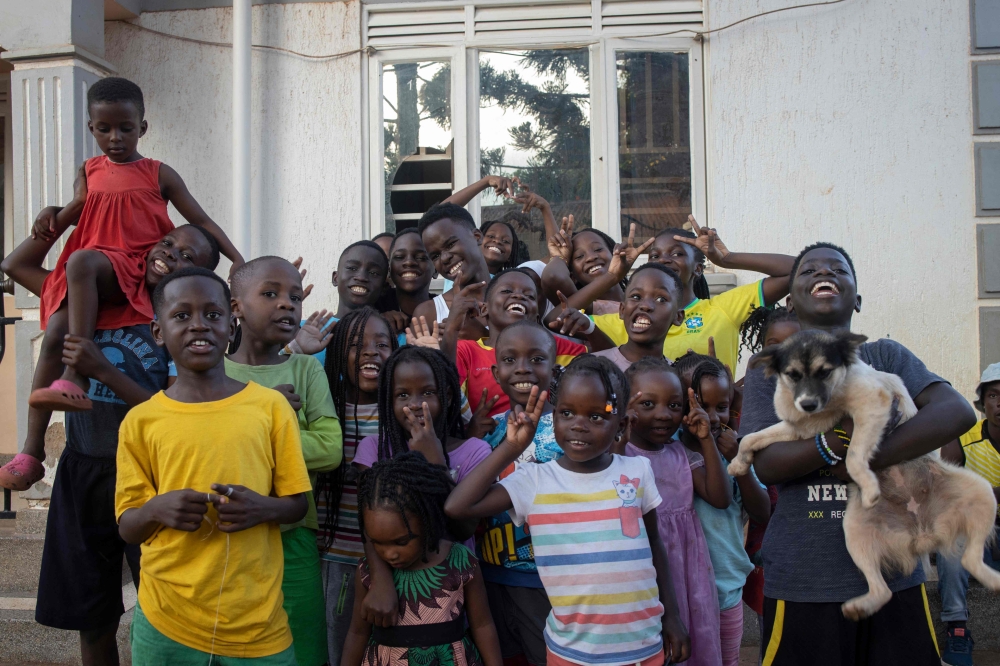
893	516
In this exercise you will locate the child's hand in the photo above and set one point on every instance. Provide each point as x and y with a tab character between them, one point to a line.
181	510
396	319
696	420
293	398
676	642
381	605
482	423
707	241
80	184
45	226
529	200
503	186
561	243
422	435
521	426
83	355
624	256
420	334
312	338
727	444
239	507
570	321
308	290
466	303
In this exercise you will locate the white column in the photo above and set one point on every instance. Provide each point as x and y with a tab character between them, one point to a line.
242	35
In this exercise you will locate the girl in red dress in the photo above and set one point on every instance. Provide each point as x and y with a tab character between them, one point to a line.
120	210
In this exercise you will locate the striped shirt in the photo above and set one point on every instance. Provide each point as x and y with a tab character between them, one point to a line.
347	547
980	454
593	557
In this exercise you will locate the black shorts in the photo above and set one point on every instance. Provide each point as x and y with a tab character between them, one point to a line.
900	634
80	585
519	614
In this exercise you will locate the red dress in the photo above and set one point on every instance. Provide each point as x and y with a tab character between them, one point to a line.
123	217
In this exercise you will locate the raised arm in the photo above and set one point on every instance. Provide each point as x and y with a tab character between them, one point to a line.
176	192
24	263
503	187
83	355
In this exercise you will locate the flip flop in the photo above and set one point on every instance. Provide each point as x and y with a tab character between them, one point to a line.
22	472
62	396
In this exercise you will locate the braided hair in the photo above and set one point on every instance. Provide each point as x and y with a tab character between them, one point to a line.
685	365
700	284
649	364
515	258
753	332
392	436
616	385
710	368
349	332
607	240
412	486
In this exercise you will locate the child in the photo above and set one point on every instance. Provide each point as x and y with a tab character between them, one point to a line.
657	409
979	450
525	358
500	245
384	241
267	301
595	536
211	561
99	280
358	350
453	244
704	316
582	261
443	617
411	271
723	527
767	326
510	297
185	246
651	306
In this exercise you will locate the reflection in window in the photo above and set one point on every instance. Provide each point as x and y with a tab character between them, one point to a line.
534	123
416	108
654	139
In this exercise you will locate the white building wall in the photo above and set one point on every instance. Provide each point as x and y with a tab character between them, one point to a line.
852	124
306	155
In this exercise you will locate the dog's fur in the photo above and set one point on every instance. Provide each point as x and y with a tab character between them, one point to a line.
926	504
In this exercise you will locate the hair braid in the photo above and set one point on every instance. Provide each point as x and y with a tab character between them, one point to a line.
413	487
753	332
616	385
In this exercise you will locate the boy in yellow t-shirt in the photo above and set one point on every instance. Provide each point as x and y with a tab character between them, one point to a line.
207	471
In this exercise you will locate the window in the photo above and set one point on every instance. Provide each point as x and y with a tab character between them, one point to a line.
590	104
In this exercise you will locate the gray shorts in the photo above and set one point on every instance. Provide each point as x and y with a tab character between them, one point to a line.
338	588
519	614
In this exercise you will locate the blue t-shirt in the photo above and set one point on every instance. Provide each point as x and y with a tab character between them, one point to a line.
505	552
132	350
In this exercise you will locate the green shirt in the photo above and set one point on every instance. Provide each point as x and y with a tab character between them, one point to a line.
322	442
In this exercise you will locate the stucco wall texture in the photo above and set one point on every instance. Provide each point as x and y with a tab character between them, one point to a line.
849	123
306	153
853	124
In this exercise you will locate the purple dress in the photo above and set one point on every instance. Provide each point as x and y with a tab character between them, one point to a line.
687	553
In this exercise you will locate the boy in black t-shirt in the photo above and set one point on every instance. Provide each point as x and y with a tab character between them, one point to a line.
809	571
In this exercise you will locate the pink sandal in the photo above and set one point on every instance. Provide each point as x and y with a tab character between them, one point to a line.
22	472
62	396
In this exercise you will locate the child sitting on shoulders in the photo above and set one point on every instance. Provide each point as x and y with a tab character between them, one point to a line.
723	527
593	526
443	617
267	301
657	410
207	471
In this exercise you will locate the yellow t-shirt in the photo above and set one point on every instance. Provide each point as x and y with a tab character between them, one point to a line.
980	455
249	439
718	317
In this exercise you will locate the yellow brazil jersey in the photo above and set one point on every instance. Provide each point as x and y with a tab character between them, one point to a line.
249	439
718	317
980	455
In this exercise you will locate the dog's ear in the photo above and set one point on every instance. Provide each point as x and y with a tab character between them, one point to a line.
766	357
848	343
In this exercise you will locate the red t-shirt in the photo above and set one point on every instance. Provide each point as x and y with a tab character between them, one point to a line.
475	363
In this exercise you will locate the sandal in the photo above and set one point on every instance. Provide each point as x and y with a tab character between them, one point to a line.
22	472
62	396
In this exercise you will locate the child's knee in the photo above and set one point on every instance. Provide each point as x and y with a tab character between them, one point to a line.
84	263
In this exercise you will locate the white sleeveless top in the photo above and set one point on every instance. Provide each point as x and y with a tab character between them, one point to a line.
441	309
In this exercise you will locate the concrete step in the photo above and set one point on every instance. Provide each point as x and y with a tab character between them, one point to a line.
31	521
20	561
24	641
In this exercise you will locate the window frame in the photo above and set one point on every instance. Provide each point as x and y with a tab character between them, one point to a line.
463	55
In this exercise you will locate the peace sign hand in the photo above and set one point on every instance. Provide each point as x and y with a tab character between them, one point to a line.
570	321
419	334
625	256
422	435
308	289
521	425
466	302
482	423
503	186
707	240
696	420
561	243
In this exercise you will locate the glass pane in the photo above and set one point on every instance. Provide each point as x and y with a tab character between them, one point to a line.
534	123
416	112
654	141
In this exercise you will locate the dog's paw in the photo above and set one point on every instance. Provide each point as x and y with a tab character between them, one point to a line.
739	466
870	498
861	607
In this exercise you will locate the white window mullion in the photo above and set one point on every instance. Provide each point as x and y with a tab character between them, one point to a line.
459	118
376	150
472	121
598	144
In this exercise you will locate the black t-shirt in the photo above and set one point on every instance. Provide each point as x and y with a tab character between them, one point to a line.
133	351
805	555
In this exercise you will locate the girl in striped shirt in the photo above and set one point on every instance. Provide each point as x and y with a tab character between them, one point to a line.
592	522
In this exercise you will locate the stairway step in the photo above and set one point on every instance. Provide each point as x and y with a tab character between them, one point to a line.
21	555
22	640
31	521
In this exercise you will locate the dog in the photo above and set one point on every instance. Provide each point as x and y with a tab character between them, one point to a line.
893	516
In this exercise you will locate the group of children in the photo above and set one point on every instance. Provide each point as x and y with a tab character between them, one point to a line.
529	468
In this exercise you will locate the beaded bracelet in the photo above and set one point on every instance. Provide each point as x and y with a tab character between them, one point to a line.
822	453
829	451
